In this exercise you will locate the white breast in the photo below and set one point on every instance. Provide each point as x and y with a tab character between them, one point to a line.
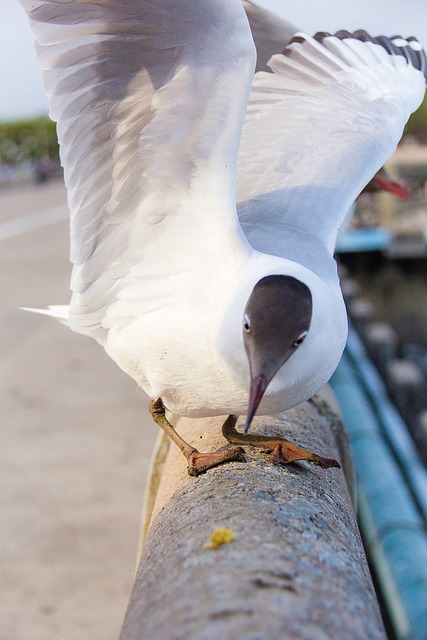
192	355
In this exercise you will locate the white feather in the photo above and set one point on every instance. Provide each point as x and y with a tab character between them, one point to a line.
58	311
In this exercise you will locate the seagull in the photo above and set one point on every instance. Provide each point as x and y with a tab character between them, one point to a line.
205	201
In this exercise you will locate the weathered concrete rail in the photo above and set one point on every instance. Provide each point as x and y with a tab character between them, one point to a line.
296	568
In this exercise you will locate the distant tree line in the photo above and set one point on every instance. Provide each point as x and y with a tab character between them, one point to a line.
28	140
35	140
417	124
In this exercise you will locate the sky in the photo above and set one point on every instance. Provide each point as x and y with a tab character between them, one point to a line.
21	93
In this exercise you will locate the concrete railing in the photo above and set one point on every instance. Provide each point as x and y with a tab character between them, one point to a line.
295	569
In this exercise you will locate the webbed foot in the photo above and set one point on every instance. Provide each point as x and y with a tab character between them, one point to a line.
283	450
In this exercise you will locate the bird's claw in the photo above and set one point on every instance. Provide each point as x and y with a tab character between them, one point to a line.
200	462
285	452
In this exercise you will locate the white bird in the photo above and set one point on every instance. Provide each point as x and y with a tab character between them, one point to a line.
215	310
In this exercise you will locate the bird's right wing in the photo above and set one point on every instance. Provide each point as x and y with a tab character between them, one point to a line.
317	129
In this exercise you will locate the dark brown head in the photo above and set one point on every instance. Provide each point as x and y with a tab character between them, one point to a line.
276	321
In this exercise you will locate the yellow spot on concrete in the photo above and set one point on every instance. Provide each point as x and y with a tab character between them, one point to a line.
220	536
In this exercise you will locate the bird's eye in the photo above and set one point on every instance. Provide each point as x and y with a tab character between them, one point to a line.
300	339
246	324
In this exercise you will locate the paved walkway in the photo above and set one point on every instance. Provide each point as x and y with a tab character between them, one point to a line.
75	442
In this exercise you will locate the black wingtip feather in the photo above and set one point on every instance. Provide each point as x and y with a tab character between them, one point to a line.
362	35
343	33
296	39
320	35
418	49
409	48
396	45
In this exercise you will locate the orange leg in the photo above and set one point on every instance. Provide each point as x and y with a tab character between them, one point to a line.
197	462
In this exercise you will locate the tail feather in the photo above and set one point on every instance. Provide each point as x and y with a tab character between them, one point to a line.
58	311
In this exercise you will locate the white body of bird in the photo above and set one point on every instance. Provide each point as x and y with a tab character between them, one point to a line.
193	357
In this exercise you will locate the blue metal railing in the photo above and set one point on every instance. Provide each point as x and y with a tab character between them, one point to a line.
392	491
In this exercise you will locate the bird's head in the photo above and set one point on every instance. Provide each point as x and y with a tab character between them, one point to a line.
276	321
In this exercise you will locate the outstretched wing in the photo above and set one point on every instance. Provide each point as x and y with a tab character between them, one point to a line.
317	129
149	97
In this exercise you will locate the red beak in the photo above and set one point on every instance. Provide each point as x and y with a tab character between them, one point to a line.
258	387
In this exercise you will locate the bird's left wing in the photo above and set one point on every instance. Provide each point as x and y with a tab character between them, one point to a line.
317	129
149	97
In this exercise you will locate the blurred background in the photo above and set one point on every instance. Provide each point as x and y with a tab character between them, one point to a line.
75	434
